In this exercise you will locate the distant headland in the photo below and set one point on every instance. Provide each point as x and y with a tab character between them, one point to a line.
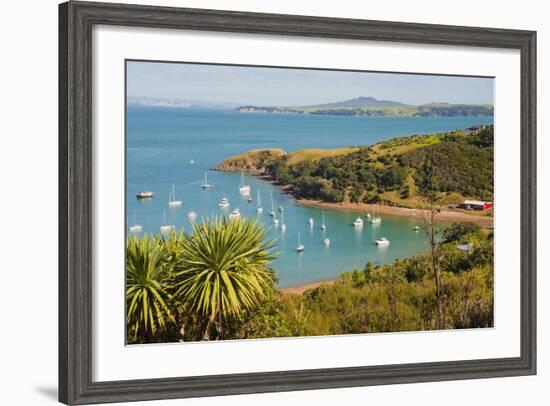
370	106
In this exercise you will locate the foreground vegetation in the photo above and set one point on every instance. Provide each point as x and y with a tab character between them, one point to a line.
216	283
389	172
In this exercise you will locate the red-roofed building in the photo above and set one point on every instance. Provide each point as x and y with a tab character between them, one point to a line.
475	205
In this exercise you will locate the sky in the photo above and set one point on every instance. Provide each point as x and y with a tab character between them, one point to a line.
297	87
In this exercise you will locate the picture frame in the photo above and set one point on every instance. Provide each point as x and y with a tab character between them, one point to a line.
76	20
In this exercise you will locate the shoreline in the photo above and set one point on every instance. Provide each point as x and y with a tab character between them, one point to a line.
443	215
302	287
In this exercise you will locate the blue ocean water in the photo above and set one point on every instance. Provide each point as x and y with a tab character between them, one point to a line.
166	146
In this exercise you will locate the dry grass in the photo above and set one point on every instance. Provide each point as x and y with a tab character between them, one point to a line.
314	154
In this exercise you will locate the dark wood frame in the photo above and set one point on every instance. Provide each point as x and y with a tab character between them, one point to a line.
76	20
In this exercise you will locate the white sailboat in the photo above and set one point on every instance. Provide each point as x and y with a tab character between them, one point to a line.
416	228
243	189
235	214
135	228
326	242
172	202
224	203
358	222
300	247
382	241
272	211
374	219
165	228
310	221
275	222
192	215
283	225
323	226
259	207
206	185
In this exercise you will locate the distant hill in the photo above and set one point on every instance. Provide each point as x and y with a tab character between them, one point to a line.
358	102
370	106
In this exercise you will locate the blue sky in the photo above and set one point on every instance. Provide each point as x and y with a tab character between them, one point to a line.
294	87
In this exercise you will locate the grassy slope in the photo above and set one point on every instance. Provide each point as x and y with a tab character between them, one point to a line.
254	161
314	154
249	162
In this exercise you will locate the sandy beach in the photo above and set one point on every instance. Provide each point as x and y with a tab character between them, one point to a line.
444	215
299	289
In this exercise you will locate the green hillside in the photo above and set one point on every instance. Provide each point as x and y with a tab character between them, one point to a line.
393	172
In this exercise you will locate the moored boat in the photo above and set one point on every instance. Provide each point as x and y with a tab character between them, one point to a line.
243	189
300	247
172	202
206	185
145	194
382	241
224	203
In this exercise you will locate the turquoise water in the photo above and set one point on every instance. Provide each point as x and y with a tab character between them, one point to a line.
162	143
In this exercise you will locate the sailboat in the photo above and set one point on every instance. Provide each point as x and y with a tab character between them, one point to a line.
416	228
135	228
243	189
310	221
145	194
165	228
224	203
374	219
283	225
192	215
300	247
206	185
326	242
382	241
259	207
323	226
172	202
235	214
272	211
358	222
275	221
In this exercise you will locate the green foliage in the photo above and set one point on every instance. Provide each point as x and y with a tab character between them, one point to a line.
148	286
457	167
224	268
216	283
449	162
401	296
457	231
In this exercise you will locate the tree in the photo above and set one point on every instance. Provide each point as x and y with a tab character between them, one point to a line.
147	287
224	269
457	231
427	189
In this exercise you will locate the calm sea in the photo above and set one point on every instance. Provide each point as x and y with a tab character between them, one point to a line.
168	146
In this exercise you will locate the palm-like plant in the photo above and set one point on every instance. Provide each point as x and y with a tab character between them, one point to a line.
147	286
224	269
